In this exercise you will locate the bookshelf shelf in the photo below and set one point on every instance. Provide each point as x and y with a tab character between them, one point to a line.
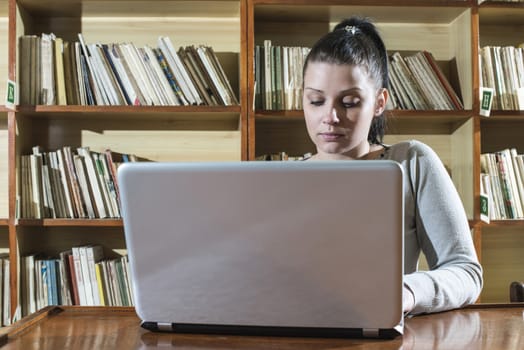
400	121
226	114
502	116
71	222
516	223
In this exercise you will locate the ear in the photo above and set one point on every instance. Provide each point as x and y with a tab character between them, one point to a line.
380	103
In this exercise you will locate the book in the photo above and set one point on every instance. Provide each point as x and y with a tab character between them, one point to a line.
85	189
46	94
73	278
73	180
179	71
61	95
66	290
81	288
94	253
94	182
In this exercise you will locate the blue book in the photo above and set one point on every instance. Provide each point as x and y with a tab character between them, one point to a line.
53	281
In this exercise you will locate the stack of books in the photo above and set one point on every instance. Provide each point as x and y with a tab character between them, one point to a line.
78	73
502	69
502	182
417	82
79	276
69	184
278	76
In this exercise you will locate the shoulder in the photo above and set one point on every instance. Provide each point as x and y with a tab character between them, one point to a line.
411	150
419	160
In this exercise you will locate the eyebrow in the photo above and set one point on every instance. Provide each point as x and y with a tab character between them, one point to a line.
340	93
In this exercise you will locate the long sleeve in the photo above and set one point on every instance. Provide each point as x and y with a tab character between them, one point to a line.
437	225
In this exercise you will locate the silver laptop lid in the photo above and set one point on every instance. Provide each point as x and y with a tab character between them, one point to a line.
277	244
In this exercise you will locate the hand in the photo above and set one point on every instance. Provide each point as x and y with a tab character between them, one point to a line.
408	300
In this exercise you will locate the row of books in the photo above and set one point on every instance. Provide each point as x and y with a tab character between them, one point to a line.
278	76
79	276
78	73
281	156
502	182
502	69
69	184
417	82
5	291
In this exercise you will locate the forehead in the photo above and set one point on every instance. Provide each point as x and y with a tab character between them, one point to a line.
324	73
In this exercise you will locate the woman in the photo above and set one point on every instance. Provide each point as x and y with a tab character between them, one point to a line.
345	94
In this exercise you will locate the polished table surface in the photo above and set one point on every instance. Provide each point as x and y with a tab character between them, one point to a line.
476	327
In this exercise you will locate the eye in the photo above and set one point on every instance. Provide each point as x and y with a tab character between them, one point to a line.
317	102
350	103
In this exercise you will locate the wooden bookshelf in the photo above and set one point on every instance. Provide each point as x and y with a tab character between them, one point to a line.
502	240
451	30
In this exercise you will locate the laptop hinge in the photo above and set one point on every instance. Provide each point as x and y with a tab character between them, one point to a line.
370	332
164	327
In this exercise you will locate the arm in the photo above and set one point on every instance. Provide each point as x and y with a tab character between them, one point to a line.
443	235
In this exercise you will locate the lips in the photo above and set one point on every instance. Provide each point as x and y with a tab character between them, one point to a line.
330	136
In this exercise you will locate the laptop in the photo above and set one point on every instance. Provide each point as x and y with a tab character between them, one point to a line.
266	248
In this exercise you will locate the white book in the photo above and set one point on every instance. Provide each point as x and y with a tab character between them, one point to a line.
408	80
170	54
64	177
94	254
434	80
125	79
6	312
111	187
103	184
519	176
514	193
80	75
267	75
28	286
106	85
37	198
47	77
73	180
100	98
44	291
94	182
161	77
224	96
221	74
151	77
84	271
426	87
79	276
133	64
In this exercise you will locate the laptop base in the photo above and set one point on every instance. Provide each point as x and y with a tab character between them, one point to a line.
309	332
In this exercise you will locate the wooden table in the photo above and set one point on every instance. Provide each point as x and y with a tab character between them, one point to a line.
476	327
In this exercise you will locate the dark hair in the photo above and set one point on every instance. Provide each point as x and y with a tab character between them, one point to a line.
356	41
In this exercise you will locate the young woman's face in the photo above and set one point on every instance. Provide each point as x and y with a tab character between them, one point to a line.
340	102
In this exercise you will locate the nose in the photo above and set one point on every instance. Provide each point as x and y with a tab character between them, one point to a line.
331	116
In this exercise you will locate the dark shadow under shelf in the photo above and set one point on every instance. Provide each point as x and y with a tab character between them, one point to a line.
71	222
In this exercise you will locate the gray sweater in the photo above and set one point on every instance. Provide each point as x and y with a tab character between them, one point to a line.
436	225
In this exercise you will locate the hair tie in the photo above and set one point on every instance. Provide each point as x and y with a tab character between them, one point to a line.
351	29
